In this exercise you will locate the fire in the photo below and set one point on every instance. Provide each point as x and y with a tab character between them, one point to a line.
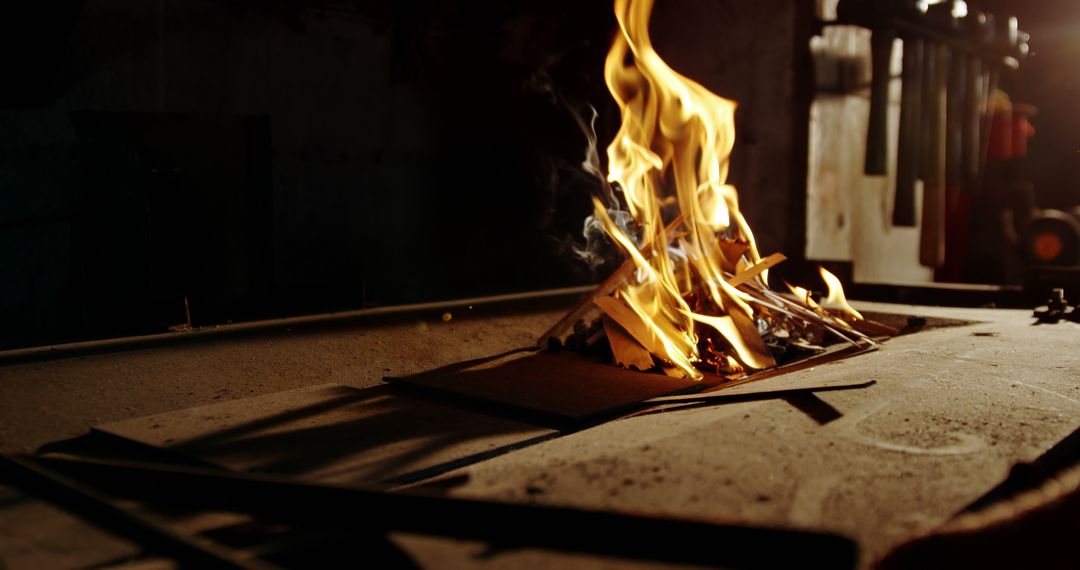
836	300
689	242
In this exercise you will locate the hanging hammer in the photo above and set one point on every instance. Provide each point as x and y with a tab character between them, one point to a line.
879	17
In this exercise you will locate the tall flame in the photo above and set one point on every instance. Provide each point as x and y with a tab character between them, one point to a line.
671	157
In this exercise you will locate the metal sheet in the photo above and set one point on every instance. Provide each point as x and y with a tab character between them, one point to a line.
565	386
331	433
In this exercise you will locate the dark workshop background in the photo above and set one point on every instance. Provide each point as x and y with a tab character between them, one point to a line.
264	158
1051	81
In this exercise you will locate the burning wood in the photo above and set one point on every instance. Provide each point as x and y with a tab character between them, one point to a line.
693	295
627	352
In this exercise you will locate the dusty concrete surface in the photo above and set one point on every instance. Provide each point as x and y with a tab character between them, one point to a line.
952	410
41	402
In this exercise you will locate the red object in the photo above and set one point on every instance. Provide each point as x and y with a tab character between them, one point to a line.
1010	131
1022	129
957	222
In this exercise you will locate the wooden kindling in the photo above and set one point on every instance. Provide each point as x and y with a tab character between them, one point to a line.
637	343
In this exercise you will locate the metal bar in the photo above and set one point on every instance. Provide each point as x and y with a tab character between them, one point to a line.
501	524
43	483
81	348
991	54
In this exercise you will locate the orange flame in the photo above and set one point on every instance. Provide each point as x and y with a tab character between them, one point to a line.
669	163
836	300
673	150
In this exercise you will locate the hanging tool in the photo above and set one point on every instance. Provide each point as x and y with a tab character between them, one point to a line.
932	229
907	161
879	17
877	130
956	195
939	133
978	26
935	135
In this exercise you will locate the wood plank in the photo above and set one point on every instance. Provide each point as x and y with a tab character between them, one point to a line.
751	272
619	312
628	352
605	288
331	433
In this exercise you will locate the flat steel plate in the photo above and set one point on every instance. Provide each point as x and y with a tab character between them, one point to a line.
332	433
569	387
565	386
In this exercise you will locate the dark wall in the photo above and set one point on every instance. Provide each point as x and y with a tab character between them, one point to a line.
1050	80
756	53
230	160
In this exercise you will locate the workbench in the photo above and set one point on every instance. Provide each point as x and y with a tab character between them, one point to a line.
951	410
